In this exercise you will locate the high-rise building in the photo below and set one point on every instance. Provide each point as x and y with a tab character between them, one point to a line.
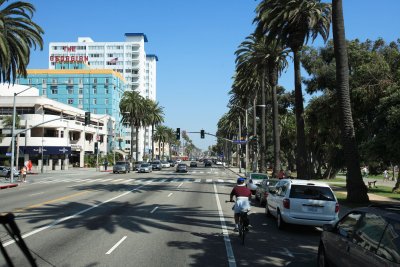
127	58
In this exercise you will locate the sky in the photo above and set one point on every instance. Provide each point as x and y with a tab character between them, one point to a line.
195	43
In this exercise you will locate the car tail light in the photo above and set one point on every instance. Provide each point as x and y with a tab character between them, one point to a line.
337	208
286	203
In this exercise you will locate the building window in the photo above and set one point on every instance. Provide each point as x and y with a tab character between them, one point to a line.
54	81
62	134
106	101
107	80
94	90
94	111
54	90
70	90
95	80
80	91
94	101
44	81
80	101
80	81
44	92
70	101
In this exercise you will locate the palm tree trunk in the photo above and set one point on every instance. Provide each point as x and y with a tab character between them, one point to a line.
301	154
132	128
275	120
263	149
159	149
137	143
152	141
255	157
356	189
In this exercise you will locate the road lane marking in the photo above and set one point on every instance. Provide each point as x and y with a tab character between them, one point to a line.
197	180
115	246
228	245
36	194
220	181
208	180
170	194
154	210
51	201
180	185
72	216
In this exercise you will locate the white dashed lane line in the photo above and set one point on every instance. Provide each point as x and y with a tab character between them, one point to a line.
170	194
115	246
154	210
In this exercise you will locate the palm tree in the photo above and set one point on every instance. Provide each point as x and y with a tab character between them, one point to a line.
18	34
356	189
170	139
132	110
160	136
155	116
294	22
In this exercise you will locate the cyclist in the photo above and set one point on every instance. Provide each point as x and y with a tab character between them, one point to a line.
243	196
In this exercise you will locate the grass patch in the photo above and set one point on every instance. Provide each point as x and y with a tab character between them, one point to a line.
384	191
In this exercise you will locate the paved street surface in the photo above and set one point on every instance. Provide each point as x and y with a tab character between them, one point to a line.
87	218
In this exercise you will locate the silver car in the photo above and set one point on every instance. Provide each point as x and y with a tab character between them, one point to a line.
145	167
4	170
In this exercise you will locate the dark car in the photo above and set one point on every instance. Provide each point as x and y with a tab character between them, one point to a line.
368	236
193	164
262	190
171	163
122	166
137	164
181	167
207	163
156	165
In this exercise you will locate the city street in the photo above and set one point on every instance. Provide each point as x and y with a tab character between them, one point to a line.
163	218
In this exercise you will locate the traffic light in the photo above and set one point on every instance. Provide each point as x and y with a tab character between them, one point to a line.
202	134
96	148
87	118
178	133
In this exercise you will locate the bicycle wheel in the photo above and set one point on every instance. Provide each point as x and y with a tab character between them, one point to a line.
243	230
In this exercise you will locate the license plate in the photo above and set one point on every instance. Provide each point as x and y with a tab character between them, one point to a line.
312	209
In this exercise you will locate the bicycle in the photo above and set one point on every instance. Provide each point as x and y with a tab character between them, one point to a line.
243	224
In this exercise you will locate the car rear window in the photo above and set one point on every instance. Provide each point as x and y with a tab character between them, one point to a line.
311	192
120	163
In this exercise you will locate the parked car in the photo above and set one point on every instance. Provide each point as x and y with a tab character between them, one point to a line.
165	164
178	161
171	163
145	167
193	164
255	180
263	188
122	166
4	170
207	163
368	236
137	164
156	165
181	167
218	162
302	202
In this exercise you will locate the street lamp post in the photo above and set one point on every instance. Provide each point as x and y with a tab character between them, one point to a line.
13	135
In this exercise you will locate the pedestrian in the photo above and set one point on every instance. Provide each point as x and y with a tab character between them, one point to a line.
385	175
23	174
365	172
105	164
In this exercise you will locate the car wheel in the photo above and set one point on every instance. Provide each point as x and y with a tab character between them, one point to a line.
322	261
279	221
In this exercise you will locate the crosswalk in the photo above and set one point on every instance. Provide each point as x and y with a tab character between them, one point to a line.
134	180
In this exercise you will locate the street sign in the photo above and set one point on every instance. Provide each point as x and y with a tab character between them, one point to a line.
8	154
240	142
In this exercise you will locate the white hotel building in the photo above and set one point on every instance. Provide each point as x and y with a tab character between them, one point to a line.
128	58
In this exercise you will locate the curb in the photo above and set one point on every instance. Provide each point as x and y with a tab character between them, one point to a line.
8	186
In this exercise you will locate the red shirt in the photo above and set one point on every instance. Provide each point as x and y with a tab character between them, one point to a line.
240	191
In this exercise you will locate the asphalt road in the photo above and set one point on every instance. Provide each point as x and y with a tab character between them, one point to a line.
87	218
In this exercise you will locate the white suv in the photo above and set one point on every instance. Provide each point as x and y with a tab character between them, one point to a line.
302	202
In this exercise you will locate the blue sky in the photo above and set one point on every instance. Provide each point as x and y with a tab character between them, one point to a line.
195	42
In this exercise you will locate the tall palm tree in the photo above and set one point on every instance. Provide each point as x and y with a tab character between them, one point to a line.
160	136
132	110
155	115
294	22
18	34
170	139
356	189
